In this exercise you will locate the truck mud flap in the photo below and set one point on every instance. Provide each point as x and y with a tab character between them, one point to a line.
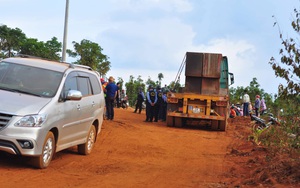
214	125
218	125
222	125
170	121
178	122
175	121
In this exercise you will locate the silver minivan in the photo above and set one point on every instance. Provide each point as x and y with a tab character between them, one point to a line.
48	106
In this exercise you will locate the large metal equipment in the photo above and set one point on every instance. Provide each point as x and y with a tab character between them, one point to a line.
205	96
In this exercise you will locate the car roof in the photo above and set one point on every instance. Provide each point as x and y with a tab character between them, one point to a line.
40	63
45	64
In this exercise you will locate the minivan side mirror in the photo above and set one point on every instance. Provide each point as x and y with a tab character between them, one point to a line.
74	95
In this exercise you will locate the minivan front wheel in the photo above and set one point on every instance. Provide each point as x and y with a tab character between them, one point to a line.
86	148
45	158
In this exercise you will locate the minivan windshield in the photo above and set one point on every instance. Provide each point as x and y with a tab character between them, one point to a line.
29	80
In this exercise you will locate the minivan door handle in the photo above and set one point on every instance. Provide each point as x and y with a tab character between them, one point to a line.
93	103
78	106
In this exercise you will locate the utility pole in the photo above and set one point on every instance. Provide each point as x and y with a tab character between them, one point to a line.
65	32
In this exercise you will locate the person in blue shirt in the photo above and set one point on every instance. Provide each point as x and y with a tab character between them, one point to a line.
140	100
111	94
151	99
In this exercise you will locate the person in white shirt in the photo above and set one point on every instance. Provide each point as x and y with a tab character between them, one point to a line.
246	100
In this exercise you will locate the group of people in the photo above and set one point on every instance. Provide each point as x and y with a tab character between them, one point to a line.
259	107
156	101
156	104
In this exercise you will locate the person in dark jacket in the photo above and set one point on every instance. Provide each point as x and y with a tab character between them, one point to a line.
118	97
140	100
151	99
164	107
158	104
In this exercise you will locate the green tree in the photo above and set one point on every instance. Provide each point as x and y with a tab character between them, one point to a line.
254	89
32	47
130	90
289	69
175	86
151	82
289	66
132	87
53	47
90	54
160	77
49	50
236	94
10	40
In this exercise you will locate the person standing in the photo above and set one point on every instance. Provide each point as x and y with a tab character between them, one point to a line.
151	99
158	104
263	106
232	112
118	97
246	101
140	100
111	94
257	105
164	106
104	84
123	98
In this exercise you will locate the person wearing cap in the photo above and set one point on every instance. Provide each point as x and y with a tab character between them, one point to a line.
257	105
111	94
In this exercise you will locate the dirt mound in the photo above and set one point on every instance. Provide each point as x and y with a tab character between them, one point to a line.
257	165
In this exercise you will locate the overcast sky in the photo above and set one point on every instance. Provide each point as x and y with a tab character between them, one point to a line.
147	37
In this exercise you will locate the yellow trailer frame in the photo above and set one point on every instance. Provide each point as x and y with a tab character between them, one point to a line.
183	106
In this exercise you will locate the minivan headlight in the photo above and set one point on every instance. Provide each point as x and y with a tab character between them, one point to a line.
31	121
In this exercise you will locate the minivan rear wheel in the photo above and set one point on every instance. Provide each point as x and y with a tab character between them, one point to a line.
45	158
86	148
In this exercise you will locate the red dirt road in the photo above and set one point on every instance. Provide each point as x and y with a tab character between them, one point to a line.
133	153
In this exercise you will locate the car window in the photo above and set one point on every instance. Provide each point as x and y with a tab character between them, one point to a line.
84	82
29	80
84	86
71	83
96	87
